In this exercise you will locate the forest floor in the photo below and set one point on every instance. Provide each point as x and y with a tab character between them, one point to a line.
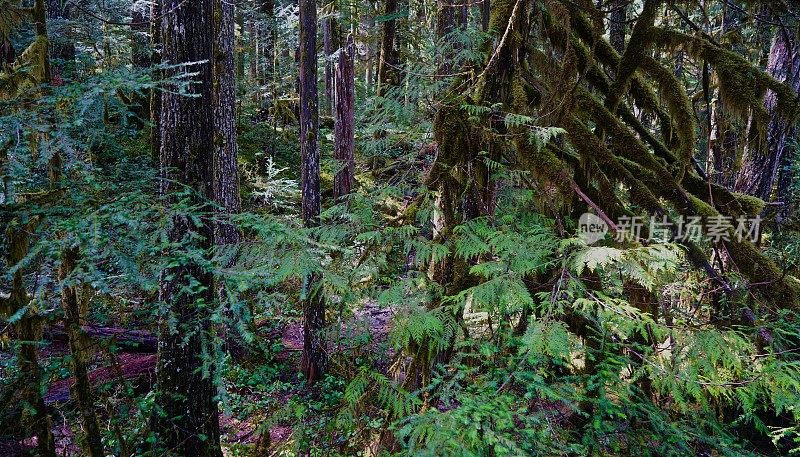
366	330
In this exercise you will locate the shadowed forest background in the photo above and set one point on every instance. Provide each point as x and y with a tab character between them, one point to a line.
354	227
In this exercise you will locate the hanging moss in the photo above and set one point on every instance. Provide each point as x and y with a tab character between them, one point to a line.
519	94
643	94
742	85
589	145
680	109
500	15
635	51
769	279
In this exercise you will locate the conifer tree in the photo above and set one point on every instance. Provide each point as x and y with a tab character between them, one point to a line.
314	357
187	422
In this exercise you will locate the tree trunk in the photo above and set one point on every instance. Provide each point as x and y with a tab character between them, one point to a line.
445	21
78	343
616	26
330	44
240	54
486	10
313	361
268	47
62	47
226	170
759	169
189	419
344	141
40	20
155	95
27	328
368	23
723	140
27	331
141	55
128	341
253	50
388	75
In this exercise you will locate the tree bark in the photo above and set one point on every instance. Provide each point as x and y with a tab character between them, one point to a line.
226	170
253	55
388	75
27	328
189	423
81	391
344	139
616	26
40	21
268	47
445	22
141	55
27	331
723	140
314	357
760	170
330	44
129	341
155	94
368	23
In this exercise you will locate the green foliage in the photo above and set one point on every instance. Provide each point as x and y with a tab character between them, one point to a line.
502	334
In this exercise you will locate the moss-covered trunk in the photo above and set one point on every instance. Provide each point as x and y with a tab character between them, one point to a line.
27	329
91	443
388	66
460	176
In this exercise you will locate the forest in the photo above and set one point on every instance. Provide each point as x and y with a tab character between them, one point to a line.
399	227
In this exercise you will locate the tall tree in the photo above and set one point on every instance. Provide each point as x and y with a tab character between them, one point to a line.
723	138
141	53
445	22
27	327
331	37
388	75
760	169
188	423
155	94
267	48
73	304
27	330
226	168
616	26
226	171
313	361
344	122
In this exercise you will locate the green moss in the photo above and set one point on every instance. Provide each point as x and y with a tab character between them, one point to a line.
635	51
679	106
643	94
760	270
519	95
742	84
702	208
749	205
501	14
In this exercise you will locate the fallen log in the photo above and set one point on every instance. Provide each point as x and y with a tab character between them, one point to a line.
137	369
134	341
